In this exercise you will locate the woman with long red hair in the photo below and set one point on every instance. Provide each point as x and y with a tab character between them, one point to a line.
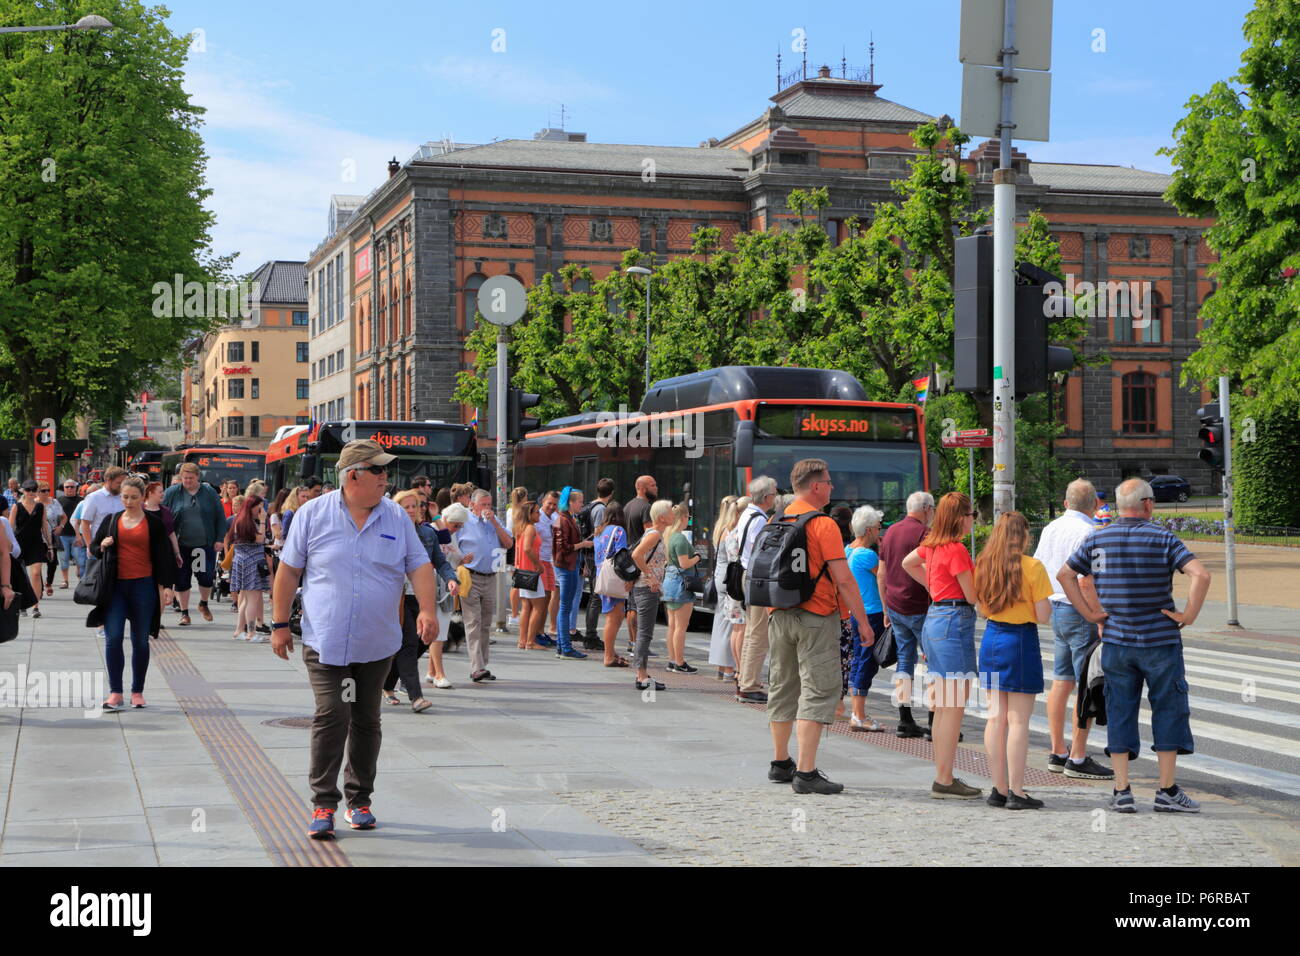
1012	591
249	573
943	565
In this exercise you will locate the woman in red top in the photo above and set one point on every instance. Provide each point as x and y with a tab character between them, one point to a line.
528	558
942	563
138	561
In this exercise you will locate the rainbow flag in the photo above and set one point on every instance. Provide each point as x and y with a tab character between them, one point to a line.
473	422
922	386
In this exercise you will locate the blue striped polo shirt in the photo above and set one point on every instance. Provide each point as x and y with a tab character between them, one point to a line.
1133	562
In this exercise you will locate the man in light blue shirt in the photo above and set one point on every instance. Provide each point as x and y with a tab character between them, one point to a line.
484	543
356	547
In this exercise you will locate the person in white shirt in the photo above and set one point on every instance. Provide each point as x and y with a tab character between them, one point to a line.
102	503
753	650
1073	633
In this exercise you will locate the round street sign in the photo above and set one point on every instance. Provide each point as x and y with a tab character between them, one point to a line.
502	300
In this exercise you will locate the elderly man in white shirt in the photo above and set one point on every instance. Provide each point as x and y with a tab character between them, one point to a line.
1073	633
753	651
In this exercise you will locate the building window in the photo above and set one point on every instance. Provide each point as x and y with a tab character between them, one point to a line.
234	388
256	356
256	390
302	351
234	351
303	387
329	366
1151	332
792	159
235	426
302	420
472	285
253	427
300	318
1139	403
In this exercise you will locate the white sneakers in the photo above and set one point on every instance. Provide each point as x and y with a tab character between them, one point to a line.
440	682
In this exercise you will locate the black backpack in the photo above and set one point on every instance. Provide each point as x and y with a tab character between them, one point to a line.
735	573
778	565
586	526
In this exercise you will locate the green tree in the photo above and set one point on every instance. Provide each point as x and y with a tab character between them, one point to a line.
101	192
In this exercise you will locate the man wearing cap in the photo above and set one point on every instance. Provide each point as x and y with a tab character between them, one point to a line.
357	548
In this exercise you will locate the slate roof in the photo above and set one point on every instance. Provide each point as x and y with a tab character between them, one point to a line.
282	281
598	157
1077	177
857	107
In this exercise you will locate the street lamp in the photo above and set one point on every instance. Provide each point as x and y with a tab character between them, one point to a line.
643	271
89	22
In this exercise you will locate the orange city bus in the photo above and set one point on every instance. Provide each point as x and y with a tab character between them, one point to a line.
217	463
708	434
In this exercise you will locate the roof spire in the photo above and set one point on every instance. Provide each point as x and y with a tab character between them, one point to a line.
804	44
844	64
778	68
871	68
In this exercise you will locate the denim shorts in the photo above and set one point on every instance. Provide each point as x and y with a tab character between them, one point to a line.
1010	658
1161	669
1072	634
948	640
907	635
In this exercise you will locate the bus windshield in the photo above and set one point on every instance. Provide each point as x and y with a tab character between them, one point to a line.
216	467
442	470
862	473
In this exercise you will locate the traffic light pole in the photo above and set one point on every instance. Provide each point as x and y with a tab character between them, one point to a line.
502	496
1004	290
1229	532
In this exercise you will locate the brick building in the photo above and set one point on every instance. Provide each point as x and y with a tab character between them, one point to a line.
421	244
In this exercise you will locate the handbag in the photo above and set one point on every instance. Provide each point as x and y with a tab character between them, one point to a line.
608	582
228	558
96	586
624	566
525	580
884	650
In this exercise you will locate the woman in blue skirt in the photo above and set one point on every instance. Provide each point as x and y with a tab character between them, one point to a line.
1012	591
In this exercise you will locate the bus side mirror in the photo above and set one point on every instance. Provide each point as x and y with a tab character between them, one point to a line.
743	456
935	468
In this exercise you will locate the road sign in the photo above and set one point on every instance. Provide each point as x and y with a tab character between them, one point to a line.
981	102
502	300
970	438
982	30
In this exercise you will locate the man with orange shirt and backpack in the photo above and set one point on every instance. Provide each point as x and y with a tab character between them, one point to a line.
804	675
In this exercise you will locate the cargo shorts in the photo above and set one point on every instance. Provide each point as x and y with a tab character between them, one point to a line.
804	676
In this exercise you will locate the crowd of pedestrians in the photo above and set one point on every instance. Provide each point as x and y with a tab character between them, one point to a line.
801	593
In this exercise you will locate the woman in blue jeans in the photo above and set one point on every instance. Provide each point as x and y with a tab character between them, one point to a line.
568	541
864	562
138	565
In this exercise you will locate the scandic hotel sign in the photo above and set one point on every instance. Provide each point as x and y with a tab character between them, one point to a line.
361	263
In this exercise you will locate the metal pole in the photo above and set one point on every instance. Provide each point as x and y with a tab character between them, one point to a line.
1229	533
503	503
647	337
1004	302
1051	448
970	468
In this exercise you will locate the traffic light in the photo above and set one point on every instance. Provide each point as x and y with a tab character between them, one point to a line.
518	425
488	429
972	318
973	322
1211	435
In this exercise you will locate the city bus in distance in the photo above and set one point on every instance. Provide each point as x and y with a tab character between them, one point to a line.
147	463
217	463
708	434
444	453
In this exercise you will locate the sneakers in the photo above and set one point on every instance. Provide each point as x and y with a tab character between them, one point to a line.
514	622
360	819
908	729
1017	801
996	798
545	640
864	726
1088	770
441	683
322	824
262	629
482	676
781	771
1122	802
751	697
815	782
682	668
958	789
571	654
1056	762
259	639
1176	802
645	685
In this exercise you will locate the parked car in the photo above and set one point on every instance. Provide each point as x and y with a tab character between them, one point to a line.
1170	487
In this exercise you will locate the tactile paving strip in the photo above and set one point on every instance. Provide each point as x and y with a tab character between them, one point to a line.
276	812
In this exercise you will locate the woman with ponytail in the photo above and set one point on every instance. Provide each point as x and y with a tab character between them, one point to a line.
1012	591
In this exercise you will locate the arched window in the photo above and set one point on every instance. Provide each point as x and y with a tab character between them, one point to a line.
472	285
1139	390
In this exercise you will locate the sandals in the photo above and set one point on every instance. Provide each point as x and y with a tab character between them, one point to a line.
421	705
392	698
618	662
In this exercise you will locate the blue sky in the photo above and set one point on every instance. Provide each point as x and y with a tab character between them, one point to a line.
307	99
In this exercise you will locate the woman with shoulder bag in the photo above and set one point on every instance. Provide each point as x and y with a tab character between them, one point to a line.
610	537
679	593
28	519
728	613
249	574
650	557
528	567
138	583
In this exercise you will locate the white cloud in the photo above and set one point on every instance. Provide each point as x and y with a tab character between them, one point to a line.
499	78
272	170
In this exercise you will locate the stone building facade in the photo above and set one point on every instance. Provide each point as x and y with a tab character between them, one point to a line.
424	242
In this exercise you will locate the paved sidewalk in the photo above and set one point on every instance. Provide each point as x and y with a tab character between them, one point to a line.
557	763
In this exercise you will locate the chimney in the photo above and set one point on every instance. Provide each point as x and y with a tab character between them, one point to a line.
393	167
824	73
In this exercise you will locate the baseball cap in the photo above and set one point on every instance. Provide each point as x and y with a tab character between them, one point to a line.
364	452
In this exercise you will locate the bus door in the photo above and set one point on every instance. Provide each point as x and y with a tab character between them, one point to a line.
585	476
